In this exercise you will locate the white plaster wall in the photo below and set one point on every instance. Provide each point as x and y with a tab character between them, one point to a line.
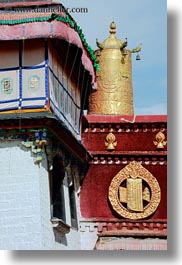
51	241
20	223
48	239
70	241
25	216
88	235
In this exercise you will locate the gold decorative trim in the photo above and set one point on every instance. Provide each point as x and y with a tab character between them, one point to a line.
151	194
160	143
111	142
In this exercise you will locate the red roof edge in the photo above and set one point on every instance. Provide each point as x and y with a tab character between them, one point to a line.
124	119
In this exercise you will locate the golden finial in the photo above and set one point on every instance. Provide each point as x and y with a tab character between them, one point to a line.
114	95
112	28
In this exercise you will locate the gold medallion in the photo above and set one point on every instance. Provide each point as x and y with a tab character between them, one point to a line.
134	193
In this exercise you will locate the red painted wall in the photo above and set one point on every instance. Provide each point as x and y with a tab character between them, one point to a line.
94	192
134	141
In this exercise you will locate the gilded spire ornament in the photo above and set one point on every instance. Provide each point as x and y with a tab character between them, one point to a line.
114	95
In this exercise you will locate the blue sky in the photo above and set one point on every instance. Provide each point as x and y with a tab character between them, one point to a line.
141	21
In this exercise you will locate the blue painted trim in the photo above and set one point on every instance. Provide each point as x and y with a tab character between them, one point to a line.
23	99
9	69
9	101
24	107
6	109
33	67
33	107
39	98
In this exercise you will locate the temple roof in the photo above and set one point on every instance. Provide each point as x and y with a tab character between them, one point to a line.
26	3
45	19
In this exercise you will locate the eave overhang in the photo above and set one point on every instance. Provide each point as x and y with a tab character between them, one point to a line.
49	121
18	21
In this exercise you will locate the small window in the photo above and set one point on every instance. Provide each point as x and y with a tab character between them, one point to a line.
58	201
73	209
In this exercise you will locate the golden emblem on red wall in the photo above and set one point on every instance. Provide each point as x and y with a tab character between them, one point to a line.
134	193
160	140
111	142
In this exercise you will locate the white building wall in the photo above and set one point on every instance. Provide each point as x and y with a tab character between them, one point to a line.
25	216
88	235
48	239
20	224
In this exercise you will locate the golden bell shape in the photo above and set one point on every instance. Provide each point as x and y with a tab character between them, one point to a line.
114	95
